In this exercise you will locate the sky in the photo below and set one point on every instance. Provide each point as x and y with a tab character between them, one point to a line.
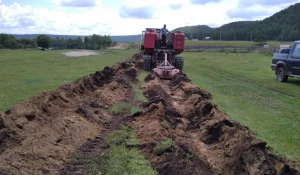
127	17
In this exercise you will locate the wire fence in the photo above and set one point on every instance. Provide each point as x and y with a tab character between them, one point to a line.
230	49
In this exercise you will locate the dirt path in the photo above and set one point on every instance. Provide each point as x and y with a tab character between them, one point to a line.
179	131
119	46
80	53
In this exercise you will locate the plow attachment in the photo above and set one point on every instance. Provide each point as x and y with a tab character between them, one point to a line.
165	70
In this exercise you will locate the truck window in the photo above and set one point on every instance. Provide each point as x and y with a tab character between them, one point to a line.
297	49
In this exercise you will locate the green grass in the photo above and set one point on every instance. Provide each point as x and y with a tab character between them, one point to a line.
244	87
139	96
25	73
121	159
90	162
163	146
142	75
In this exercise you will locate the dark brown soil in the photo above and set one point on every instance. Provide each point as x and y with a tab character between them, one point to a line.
58	132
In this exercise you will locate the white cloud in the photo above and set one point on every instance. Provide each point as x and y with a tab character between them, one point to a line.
249	13
175	6
244	3
137	12
204	1
258	9
78	3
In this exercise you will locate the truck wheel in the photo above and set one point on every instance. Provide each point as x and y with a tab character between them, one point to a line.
281	76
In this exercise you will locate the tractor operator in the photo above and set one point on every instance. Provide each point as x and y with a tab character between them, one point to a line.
164	34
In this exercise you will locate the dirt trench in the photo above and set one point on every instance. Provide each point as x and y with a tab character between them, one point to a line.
40	135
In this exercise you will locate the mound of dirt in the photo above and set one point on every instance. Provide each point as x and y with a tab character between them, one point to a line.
179	130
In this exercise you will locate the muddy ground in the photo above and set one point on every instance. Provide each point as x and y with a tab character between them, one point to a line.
39	135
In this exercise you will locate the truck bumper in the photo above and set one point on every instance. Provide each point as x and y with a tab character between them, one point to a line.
273	66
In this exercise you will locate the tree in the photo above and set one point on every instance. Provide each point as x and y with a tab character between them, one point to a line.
261	39
43	41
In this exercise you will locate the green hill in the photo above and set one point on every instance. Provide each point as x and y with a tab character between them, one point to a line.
199	28
282	26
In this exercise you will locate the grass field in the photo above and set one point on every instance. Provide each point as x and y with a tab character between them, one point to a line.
242	85
24	73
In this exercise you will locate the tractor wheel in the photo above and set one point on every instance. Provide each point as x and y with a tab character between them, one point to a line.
281	76
147	62
179	62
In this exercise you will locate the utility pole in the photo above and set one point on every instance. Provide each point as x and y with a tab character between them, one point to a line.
251	35
221	35
282	36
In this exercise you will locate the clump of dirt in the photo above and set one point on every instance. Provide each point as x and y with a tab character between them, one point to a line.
180	132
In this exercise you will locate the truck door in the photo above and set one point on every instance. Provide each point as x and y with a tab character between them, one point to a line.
294	60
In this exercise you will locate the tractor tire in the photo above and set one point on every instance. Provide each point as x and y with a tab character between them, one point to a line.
179	62
147	62
281	76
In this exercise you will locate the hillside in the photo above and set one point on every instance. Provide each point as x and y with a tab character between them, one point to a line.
191	29
283	26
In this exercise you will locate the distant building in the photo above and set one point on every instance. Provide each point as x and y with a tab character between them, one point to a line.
284	46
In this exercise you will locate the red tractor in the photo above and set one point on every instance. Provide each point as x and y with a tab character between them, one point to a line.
163	58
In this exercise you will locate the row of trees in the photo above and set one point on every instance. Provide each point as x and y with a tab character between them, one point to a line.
10	42
93	42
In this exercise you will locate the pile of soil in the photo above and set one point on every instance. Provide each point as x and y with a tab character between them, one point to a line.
39	135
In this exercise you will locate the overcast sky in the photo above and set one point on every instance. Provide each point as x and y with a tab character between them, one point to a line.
126	17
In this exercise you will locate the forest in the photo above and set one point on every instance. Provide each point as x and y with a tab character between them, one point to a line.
282	26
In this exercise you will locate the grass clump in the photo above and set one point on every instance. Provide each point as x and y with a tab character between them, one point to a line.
91	162
142	75
131	107
120	107
163	146
125	135
165	124
138	97
125	108
121	159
